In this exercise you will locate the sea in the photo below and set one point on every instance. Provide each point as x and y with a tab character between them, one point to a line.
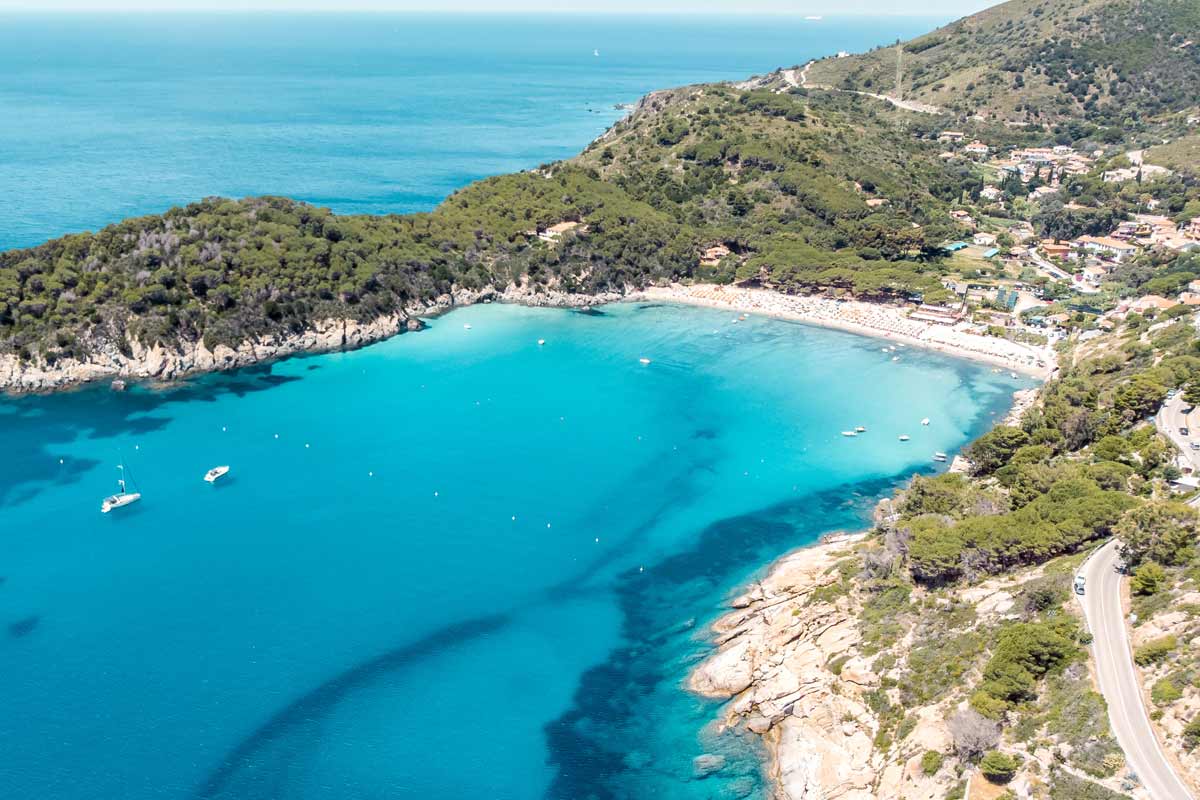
455	564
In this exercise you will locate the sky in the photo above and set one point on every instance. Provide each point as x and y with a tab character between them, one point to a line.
926	8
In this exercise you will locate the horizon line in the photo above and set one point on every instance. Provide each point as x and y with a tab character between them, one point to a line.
808	17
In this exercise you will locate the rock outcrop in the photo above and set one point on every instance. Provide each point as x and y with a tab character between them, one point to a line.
133	360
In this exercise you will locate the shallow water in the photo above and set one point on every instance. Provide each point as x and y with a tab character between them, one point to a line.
468	566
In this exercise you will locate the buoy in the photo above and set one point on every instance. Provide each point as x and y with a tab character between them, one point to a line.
277	436
223	429
370	474
306	445
435	494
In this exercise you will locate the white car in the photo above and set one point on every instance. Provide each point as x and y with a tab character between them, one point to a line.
1080	583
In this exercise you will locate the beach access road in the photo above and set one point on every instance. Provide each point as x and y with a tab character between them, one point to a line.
1118	679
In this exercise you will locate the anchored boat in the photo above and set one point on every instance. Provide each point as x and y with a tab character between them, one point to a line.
217	472
121	498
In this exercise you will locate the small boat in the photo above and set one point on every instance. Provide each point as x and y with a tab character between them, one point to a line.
925	421
939	456
596	53
895	358
217	472
1012	374
904	437
860	429
849	433
121	498
644	360
541	341
885	350
466	326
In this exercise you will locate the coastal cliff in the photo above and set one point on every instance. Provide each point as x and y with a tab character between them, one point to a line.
158	362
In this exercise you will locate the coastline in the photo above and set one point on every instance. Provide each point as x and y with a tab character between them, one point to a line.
160	363
866	319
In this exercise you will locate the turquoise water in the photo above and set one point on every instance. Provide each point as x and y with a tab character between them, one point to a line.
105	117
452	565
468	566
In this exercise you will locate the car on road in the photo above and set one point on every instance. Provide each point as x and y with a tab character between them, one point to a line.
1183	431
1171	393
1080	583
1194	445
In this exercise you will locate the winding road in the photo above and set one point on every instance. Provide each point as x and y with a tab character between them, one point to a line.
1119	681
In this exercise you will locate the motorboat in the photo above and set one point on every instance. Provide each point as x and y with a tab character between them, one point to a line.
217	472
939	456
849	433
904	437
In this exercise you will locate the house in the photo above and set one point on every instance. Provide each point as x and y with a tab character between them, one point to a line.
876	202
712	256
1105	246
1042	192
976	148
1058	320
1140	172
1179	244
1092	276
1151	302
984	239
942	315
1194	286
991	252
950	136
1054	249
1193	227
555	231
1190	298
991	193
1063	150
962	218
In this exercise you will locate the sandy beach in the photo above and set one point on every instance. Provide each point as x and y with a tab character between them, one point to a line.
867	319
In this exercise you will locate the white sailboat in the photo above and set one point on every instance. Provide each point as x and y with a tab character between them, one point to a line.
216	472
121	498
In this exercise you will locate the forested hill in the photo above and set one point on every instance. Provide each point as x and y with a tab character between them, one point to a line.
797	189
1112	62
784	181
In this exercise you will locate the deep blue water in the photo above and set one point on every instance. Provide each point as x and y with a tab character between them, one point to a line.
107	117
468	566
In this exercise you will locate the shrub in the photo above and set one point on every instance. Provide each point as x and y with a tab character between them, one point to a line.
1148	579
998	767
1165	692
1191	733
1154	652
931	762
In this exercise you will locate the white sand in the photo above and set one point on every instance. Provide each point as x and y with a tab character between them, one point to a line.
868	319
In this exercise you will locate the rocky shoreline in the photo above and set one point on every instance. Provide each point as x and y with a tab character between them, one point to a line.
160	363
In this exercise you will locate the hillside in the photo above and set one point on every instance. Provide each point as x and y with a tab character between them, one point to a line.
1111	62
785	182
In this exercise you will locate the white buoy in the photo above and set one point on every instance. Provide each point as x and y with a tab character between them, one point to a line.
306	445
370	474
277	436
223	429
435	494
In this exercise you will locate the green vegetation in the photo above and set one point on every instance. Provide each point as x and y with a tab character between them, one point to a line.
1095	68
998	767
931	762
1155	652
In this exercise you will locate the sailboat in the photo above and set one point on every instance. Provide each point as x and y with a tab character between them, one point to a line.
596	53
121	498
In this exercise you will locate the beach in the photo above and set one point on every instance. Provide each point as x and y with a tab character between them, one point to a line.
867	319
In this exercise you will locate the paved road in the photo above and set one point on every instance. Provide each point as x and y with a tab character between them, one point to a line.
1118	681
1170	418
